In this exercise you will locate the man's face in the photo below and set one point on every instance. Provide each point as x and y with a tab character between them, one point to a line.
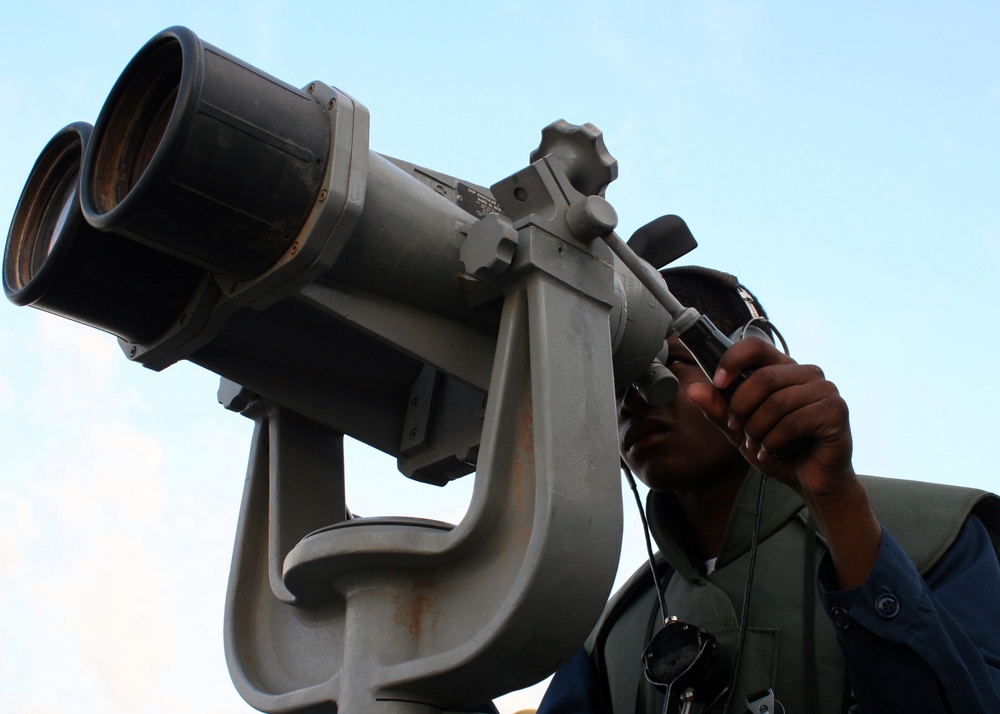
675	447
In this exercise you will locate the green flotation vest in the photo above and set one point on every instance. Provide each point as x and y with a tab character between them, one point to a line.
782	650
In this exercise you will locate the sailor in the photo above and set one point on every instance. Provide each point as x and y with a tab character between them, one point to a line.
867	594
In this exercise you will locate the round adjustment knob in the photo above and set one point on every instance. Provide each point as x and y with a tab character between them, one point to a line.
489	247
582	153
590	218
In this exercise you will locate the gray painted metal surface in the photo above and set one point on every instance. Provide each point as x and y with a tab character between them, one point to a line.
455	327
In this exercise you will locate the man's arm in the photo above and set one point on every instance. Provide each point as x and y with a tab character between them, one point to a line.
910	644
791	423
574	689
923	644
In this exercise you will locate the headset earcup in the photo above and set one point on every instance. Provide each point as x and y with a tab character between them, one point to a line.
750	330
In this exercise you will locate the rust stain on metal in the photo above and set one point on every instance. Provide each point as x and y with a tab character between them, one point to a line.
523	476
412	609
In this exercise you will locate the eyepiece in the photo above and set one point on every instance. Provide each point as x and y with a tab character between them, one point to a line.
56	262
202	156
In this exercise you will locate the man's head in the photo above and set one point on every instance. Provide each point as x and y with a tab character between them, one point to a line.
675	446
719	295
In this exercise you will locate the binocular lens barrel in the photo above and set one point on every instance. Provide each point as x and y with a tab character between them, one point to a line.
135	125
200	155
56	262
46	203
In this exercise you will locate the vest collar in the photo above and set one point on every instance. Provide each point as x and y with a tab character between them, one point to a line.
668	524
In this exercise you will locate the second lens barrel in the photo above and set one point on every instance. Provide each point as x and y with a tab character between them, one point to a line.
205	157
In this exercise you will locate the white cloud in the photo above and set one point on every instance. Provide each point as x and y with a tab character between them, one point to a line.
101	577
110	475
117	605
125	587
18	528
79	364
6	395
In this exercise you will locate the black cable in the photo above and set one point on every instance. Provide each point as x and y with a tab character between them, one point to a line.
746	593
809	669
649	543
748	588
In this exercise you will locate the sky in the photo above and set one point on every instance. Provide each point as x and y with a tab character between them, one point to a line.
842	159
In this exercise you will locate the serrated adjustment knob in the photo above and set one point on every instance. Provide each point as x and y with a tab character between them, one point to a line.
584	157
489	248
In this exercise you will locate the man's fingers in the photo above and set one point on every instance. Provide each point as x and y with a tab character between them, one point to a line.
746	355
818	421
767	388
710	400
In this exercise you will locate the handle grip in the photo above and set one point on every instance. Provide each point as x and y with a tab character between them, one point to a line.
707	345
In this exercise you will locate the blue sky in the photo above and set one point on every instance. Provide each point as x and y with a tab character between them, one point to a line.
843	160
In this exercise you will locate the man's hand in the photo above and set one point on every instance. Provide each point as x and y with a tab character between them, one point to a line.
790	422
785	409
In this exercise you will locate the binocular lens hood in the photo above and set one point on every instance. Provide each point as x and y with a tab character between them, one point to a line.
57	262
198	154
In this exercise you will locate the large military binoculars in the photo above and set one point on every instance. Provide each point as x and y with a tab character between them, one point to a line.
213	208
216	214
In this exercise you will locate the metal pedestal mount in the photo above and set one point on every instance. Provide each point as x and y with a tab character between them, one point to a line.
411	616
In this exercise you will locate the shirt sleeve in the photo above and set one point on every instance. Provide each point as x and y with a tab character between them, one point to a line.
574	688
922	644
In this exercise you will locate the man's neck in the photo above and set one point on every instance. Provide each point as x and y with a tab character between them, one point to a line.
708	510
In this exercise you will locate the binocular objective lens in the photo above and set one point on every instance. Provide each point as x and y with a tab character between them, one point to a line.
138	114
45	209
54	219
147	135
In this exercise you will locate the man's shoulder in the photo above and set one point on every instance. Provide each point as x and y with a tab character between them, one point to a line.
926	518
638	588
